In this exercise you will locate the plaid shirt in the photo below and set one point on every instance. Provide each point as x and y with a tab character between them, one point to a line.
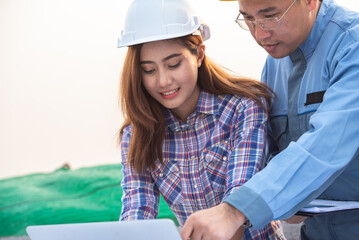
205	159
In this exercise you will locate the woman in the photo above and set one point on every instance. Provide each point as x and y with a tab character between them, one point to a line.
192	132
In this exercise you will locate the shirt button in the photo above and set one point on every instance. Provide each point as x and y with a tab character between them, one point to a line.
161	175
195	186
225	158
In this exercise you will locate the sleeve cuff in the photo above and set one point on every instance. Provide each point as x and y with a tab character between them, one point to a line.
251	205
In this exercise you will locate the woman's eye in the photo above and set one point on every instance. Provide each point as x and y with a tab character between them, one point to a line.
148	71
174	65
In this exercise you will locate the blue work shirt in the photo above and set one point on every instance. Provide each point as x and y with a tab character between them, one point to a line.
318	156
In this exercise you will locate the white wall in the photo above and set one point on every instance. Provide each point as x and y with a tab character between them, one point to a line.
59	73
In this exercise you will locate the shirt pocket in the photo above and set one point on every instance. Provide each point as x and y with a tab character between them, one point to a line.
216	166
168	182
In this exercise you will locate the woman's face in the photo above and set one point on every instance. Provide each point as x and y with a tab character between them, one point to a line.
169	74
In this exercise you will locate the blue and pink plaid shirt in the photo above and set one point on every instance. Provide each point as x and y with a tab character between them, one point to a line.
205	159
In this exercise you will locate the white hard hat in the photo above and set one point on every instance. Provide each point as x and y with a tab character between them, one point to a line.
153	20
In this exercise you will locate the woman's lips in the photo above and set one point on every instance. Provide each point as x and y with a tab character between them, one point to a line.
170	94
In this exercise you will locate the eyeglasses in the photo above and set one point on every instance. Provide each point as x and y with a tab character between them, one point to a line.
264	23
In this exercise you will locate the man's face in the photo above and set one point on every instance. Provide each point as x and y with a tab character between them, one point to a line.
294	28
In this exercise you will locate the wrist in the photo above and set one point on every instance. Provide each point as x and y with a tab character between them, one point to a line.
236	215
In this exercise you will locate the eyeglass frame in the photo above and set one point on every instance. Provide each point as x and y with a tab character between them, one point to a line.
256	22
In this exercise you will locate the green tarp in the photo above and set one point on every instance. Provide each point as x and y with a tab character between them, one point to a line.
64	196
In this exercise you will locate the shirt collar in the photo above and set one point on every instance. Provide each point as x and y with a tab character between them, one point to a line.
321	22
207	104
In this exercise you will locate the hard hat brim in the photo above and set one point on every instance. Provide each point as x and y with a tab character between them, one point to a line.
128	40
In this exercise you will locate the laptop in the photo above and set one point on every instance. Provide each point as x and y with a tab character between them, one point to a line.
156	229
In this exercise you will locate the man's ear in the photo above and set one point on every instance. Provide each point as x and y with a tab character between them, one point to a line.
201	50
312	4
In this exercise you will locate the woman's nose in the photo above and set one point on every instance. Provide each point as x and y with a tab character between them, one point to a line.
164	79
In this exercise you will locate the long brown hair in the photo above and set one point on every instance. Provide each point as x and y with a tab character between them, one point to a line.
145	114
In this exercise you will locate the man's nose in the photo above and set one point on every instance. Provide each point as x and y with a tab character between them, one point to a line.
261	34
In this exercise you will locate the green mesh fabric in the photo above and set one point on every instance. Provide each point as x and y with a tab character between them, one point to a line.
65	196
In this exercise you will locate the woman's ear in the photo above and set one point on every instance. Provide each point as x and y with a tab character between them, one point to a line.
201	49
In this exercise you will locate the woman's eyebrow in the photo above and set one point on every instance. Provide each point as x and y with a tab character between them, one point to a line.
165	59
146	62
171	56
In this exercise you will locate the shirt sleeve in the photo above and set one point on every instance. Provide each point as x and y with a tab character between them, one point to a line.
140	199
307	167
248	142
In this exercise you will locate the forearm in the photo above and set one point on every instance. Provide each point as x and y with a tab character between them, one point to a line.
280	190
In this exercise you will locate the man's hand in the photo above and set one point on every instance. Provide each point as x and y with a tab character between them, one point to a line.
217	223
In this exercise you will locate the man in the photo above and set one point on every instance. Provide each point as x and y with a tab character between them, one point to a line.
313	68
